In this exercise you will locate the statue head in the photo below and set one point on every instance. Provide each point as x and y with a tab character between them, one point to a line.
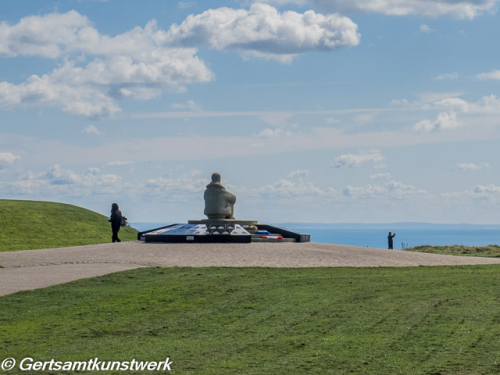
216	178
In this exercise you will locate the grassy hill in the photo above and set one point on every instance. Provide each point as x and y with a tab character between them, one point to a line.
26	225
414	320
491	251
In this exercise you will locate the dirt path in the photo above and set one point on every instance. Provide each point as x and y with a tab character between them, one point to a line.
32	269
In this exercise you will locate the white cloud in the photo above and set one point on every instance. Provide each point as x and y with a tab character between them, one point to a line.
365	118
487	194
298	174
181	188
356	160
133	65
380	176
46	36
7	159
425	29
275	133
487	104
405	103
118	163
140	63
443	121
92	91
284	2
263	32
430	97
331	120
91	129
392	189
190	105
453	75
185	4
493	75
286	188
460	9
57	180
481	190
465	167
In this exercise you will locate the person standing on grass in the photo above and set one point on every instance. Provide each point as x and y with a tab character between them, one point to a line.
389	238
116	221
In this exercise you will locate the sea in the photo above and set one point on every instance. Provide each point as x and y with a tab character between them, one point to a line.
375	235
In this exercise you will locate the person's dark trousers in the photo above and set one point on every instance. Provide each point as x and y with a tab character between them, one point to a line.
115	229
391	247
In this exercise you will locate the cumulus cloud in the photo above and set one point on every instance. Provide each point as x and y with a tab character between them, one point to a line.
180	188
91	129
275	133
392	189
486	193
92	91
482	190
189	105
118	163
57	180
7	159
380	176
425	29
460	9
298	174
453	75
331	120
465	167
486	105
432	97
286	188
99	70
186	4
46	36
443	121
263	32
493	75
133	65
357	160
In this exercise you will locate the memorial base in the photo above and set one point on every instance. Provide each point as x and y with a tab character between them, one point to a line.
221	231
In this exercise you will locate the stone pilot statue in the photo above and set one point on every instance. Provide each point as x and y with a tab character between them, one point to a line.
219	203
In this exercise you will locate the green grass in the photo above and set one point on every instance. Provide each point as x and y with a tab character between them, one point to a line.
492	251
38	225
420	320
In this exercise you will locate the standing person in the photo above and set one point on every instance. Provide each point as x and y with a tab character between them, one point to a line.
116	221
389	238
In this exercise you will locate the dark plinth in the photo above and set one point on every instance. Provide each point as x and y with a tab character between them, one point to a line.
206	235
198	239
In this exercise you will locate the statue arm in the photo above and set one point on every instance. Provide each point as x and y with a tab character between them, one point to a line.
231	198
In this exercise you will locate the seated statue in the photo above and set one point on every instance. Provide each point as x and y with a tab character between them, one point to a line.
219	203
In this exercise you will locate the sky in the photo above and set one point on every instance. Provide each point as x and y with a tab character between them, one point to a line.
332	111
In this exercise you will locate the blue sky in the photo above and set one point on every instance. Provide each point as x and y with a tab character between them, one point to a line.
312	110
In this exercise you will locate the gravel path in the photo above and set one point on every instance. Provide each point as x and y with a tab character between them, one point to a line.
32	269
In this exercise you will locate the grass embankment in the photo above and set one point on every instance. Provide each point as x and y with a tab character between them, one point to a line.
29	225
491	251
419	320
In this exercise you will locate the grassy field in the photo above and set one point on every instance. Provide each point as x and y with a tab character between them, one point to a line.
419	320
37	225
491	251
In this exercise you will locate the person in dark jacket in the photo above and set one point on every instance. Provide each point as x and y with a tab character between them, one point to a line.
389	238
116	221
